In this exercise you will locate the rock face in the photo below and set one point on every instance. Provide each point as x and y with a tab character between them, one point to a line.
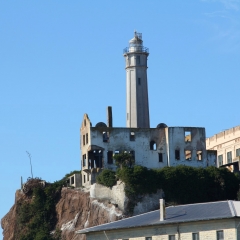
75	210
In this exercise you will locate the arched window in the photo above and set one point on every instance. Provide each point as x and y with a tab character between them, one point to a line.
153	146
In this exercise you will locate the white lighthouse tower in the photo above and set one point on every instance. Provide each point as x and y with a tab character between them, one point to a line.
137	87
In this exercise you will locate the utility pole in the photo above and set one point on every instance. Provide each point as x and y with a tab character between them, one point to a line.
29	155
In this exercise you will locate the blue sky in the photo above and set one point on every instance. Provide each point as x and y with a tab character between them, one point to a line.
61	59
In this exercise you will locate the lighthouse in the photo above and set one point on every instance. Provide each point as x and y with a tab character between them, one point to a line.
137	108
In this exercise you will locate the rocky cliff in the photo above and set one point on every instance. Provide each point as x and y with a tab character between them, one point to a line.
75	210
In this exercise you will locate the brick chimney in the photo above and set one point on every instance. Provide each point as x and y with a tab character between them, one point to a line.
109	117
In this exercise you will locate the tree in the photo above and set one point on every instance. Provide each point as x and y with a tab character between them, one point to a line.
124	160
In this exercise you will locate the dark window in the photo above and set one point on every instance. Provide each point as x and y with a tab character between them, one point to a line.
83	139
238	152
84	160
195	236
177	154
139	81
84	178
133	154
110	157
84	122
87	138
188	136
199	155
229	157
132	136
153	146
87	177
148	238
72	180
160	157
220	160
138	59
171	237
105	137
188	155
220	235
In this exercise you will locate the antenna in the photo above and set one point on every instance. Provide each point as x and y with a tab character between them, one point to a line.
29	155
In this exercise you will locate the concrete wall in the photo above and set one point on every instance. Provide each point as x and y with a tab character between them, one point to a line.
116	195
224	142
206	229
98	142
75	180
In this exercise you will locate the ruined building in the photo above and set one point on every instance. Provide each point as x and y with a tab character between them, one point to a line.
151	147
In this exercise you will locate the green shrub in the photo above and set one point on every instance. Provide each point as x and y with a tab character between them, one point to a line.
107	178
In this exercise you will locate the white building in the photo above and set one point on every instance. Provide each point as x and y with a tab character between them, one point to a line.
213	221
227	145
151	147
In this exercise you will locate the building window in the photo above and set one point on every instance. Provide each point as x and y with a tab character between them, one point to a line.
148	238
132	136
84	178
88	177
84	160
139	81
177	154
72	180
188	155
105	136
84	122
160	157
171	237
220	160
153	146
238	152
220	235
229	157
110	157
83	140
87	138
199	155
188	136
195	236
138	59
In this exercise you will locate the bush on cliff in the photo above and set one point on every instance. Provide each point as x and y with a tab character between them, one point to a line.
36	218
107	178
181	184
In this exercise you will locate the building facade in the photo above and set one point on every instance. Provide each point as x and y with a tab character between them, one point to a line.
213	221
227	145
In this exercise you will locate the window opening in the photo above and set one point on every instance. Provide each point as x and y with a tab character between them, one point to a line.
139	81
88	177
138	59
220	235
177	154
153	146
83	139
87	138
84	178
195	236
105	136
188	155
84	160
148	238
238	152
84	122
110	157
72	180
199	155
133	154
188	136
171	237
220	160
160	157
132	136
229	157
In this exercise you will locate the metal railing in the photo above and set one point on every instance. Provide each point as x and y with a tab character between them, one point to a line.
135	49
